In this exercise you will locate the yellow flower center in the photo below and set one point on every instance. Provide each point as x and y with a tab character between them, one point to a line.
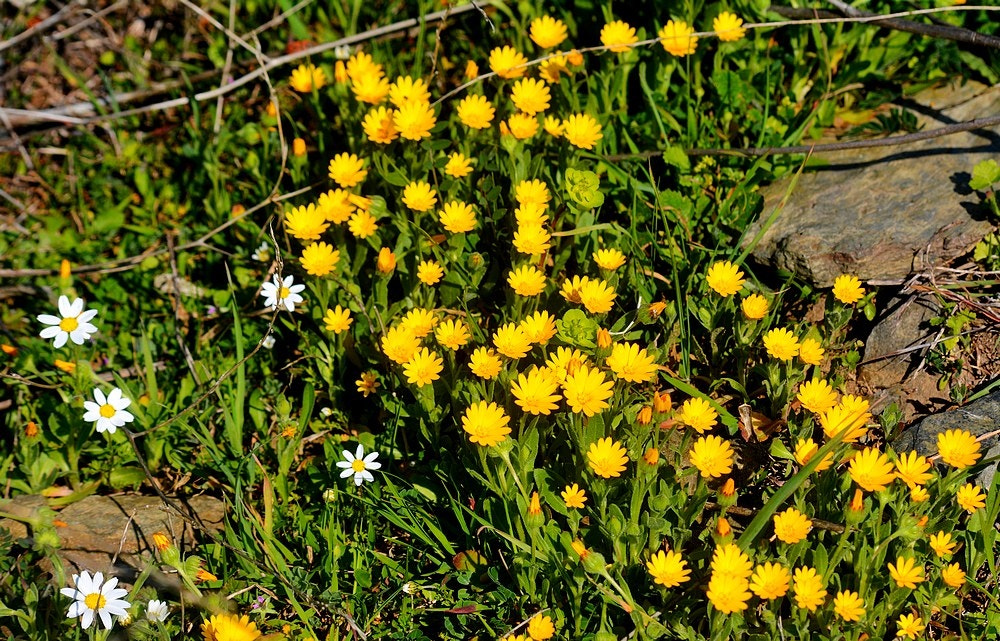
107	410
358	465
68	324
283	293
95	601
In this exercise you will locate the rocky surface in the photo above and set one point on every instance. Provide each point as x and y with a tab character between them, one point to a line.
884	213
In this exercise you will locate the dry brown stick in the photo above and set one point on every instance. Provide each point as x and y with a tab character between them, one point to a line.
41	26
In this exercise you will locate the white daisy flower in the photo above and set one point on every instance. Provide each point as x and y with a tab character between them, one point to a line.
157	611
108	412
359	465
262	253
72	323
91	597
268	342
277	292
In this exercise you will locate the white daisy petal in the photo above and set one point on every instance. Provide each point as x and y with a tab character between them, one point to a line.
366	475
358	479
86	317
105	618
373	466
49	319
346	473
76	609
61	339
360	452
65	309
87	618
75	308
343	464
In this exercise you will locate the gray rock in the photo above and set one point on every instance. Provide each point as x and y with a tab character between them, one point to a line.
884	213
889	353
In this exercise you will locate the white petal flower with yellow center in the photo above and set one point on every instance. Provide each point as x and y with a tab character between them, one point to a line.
72	324
358	465
92	596
281	292
157	611
109	411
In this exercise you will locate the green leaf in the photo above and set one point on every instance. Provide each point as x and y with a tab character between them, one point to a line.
985	174
675	156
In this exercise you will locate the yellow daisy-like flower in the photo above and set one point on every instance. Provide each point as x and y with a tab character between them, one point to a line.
668	569
728	594
587	391
536	391
551	68
712	456
419	321
906	573
419	196
229	627
540	327
522	126
379	125
307	77
347	170
805	450
367	384
541	628
617	36
361	64
406	89
849	606
531	215
754	307
530	96
607	458
400	344
319	259
298	147
791	526
871	470
553	126
571	288
565	361
698	414
423	368
610	259
526	280
532	240
817	396
507	62
725	278
910	626
913	469
574	496
730	560
781	344
340	72
728	27
770	581
453	334
597	296
458	165
429	272
953	575
847	289
385	262
532	192
335	206
849	416
809	590
337	319
958	448
414	120
306	222
362	224
582	130
547	32
970	498
471	70
476	112
370	89
512	341
485	363
631	363
943	544
486	424
457	217
811	352
676	38
919	494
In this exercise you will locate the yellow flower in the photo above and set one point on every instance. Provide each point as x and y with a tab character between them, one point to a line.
535	506
728	593
817	396
847	289
849	416
307	77
919	494
754	307
400	344
512	341
728	27
420	321
361	64
910	626
676	38
610	259
662	402
370	89
781	344
698	414
319	259
337	320
730	560
571	288
871	470
362	224
809	591
67	366
586	391
471	70
406	89
347	170
565	361
526	280
958	448
429	272
725	278
229	627
849	606
953	575
553	126
457	217
533	192
486	423
547	32
770	581
423	368
791	526
531	215
540	327
531	240
340	72
335	206
419	196
380	126
414	120
712	456
458	165
367	384
530	96
386	261
582	130
970	498
476	112
668	569
574	496
942	544
298	147
550	68
485	363
603	338
912	469
607	457
805	450
536	392
631	363
507	62
540	628
306	222
811	352
651	456
906	573
452	334
617	36
522	126
597	296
